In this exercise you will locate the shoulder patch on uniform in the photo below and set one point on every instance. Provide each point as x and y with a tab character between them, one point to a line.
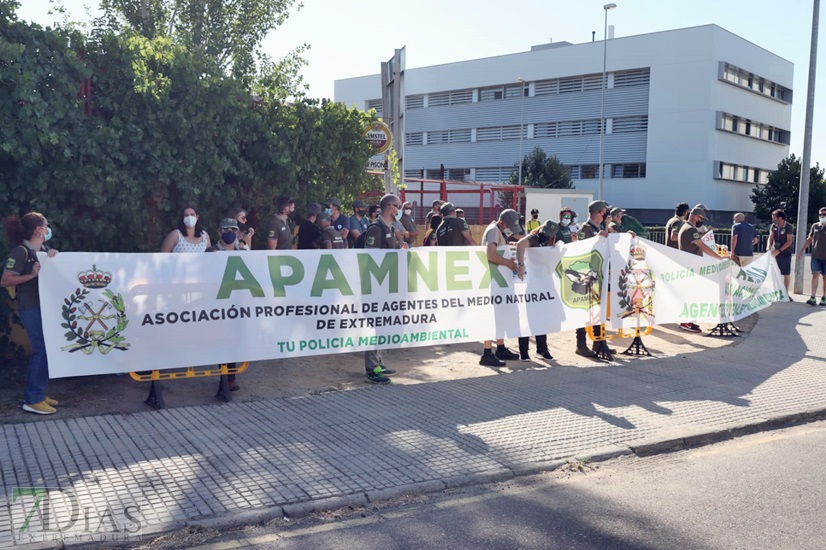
271	234
371	241
10	263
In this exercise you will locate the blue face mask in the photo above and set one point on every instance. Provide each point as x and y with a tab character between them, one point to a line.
228	237
399	215
48	234
328	211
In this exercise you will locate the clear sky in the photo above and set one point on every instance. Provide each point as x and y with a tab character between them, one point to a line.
351	37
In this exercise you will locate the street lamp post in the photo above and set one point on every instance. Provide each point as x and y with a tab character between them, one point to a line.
521	128
606	7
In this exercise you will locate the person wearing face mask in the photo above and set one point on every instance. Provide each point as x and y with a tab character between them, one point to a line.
380	234
597	213
817	237
574	226
29	235
691	240
533	223
229	241
245	232
279	233
190	235
339	221
330	239
496	236
409	224
228	232
453	231
358	222
564	232
544	235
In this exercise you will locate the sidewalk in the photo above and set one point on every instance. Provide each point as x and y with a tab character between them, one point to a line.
246	461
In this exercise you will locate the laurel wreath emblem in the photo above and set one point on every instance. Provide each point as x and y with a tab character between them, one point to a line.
88	338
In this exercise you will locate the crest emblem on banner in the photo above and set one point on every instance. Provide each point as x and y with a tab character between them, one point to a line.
94	318
581	278
636	286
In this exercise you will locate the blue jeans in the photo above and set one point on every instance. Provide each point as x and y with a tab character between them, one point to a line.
38	376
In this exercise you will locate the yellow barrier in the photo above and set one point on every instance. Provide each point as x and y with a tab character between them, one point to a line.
190	372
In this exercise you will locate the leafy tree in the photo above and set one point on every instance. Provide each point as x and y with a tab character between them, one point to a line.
539	170
783	191
228	32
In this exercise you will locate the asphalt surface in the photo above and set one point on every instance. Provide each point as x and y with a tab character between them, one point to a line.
240	463
762	491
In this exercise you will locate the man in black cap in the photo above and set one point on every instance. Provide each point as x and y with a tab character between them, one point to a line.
545	235
382	235
533	223
279	233
330	239
358	222
597	212
691	240
339	221
495	236
453	231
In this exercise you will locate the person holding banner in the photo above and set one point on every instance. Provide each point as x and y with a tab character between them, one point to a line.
673	225
544	235
382	235
781	237
29	235
190	235
496	236
817	237
691	241
597	214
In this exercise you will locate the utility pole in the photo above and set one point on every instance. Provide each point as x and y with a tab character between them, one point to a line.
806	161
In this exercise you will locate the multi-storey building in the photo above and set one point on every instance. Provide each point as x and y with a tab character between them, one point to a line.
697	115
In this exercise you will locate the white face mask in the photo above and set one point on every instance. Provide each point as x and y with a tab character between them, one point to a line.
822	219
565	221
190	221
408	211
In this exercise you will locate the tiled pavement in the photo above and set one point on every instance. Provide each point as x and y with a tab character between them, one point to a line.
161	469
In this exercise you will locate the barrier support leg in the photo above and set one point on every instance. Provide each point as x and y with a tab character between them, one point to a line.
725	330
637	347
155	399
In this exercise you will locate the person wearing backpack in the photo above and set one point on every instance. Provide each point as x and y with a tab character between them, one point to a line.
380	234
29	235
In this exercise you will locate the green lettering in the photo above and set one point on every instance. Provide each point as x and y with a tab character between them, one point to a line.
369	270
327	265
281	281
416	269
454	270
235	266
491	270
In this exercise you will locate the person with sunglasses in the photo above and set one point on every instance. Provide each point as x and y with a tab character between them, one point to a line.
382	235
245	232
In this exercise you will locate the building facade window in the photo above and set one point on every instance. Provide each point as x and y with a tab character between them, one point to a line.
414	101
758	130
628	171
501	133
745	79
453	97
746	174
567	128
629	124
414	138
374	104
449	136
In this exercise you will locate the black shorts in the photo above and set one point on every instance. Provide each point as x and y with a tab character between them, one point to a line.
784	262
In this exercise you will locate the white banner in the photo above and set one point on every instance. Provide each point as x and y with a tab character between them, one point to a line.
653	284
106	313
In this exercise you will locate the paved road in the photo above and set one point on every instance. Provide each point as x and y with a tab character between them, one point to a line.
763	491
